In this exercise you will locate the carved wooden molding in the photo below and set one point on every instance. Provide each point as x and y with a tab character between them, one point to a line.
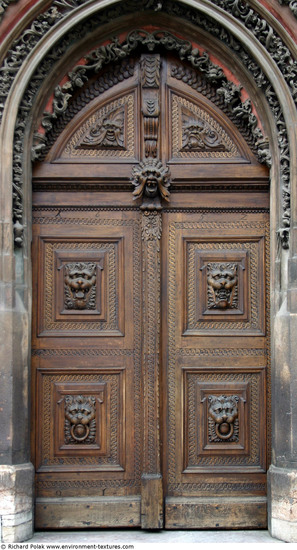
151	234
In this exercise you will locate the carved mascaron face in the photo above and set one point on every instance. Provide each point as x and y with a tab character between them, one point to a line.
79	279
222	280
223	410
151	187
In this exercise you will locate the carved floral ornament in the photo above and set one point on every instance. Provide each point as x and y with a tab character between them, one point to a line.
261	30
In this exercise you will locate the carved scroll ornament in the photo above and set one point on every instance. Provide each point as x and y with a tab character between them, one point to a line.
223	413
151	181
80	422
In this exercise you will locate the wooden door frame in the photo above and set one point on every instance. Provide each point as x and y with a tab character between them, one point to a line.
17	267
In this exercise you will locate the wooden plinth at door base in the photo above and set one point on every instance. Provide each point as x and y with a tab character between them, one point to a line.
215	513
64	513
151	501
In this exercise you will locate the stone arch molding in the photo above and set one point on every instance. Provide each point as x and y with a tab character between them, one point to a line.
241	29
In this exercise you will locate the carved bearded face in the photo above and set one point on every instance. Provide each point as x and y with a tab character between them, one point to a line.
222	280
79	280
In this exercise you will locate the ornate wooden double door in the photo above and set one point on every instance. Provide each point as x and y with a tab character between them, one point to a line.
150	345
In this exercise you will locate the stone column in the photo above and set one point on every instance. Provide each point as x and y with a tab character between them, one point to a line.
16	472
282	476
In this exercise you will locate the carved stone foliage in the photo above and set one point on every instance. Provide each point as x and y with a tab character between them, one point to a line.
223	418
151	181
257	25
80	421
80	285
107	132
222	286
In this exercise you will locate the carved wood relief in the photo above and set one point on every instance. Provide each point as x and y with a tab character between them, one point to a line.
225	284
224	430
80	419
196	134
108	133
87	294
150	83
80	285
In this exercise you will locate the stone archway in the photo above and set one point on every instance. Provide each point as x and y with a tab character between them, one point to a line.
279	104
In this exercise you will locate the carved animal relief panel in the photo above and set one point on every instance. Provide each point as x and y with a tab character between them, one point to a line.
222	286
223	418
80	419
80	285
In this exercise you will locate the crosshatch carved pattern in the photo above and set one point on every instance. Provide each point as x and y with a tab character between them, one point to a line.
192	323
125	145
112	290
182	111
215	460
252	323
47	457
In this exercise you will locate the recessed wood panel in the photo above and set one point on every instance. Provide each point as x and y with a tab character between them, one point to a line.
224	420
72	406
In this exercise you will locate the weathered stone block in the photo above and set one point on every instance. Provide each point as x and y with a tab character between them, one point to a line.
16	502
283	503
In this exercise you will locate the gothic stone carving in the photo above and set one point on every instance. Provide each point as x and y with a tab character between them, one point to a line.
80	285
222	286
80	422
223	418
107	132
151	181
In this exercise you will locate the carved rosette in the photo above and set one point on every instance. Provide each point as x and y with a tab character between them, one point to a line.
223	422
151	181
80	421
